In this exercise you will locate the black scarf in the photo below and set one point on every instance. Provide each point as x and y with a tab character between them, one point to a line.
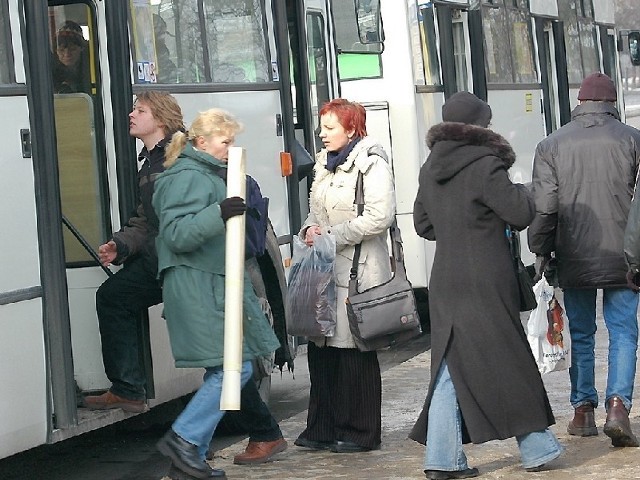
334	159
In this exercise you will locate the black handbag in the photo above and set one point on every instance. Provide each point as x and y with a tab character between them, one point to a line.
386	314
525	282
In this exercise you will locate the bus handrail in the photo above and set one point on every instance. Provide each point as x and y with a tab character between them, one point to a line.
85	244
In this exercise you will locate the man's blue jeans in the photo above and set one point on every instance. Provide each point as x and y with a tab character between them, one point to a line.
620	306
444	434
198	421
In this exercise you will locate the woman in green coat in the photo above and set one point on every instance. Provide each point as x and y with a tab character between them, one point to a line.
192	208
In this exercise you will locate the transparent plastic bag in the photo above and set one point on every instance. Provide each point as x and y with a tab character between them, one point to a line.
311	296
548	330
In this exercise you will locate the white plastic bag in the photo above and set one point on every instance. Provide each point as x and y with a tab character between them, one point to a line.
311	296
548	330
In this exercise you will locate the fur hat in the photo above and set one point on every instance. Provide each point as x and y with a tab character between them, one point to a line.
465	107
598	87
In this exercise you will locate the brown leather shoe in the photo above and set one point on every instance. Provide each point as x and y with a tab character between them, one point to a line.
617	426
109	400
260	452
583	423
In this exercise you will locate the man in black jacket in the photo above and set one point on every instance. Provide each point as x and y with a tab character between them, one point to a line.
584	177
121	299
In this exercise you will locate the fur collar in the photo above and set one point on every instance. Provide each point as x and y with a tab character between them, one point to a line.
472	135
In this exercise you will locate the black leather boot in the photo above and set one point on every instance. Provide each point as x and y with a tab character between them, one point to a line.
185	457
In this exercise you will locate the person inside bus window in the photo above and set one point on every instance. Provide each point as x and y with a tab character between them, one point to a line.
71	61
345	401
485	384
192	208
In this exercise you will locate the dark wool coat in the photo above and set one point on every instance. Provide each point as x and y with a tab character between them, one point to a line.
464	202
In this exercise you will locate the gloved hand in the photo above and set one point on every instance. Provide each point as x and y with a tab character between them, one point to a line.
232	206
541	262
633	281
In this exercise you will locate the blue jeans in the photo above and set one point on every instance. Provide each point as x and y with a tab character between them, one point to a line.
620	306
201	416
444	434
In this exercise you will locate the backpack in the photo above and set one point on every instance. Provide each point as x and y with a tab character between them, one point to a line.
257	217
256	220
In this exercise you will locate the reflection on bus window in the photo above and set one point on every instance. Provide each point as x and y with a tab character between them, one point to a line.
5	46
580	38
170	47
237	49
318	75
429	45
460	57
509	45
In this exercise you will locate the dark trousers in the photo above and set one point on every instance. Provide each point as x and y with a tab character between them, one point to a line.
120	301
254	417
345	402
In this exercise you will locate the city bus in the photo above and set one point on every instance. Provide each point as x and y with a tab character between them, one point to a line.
68	173
527	58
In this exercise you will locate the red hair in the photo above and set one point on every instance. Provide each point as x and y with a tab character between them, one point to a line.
351	115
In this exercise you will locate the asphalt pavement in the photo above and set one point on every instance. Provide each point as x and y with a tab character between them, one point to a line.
404	389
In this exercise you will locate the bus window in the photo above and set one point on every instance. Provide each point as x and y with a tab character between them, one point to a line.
5	45
355	59
429	45
77	120
170	46
318	75
460	57
580	39
509	44
498	56
237	41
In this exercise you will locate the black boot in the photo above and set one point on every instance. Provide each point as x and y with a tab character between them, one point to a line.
184	456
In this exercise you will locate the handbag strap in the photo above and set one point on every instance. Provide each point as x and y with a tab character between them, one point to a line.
397	252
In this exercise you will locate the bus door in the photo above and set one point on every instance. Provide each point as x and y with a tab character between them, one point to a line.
82	167
313	81
455	51
69	141
23	397
553	72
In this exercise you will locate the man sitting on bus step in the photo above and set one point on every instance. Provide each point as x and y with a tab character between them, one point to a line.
122	298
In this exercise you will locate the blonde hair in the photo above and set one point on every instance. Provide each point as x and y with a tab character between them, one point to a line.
164	108
214	121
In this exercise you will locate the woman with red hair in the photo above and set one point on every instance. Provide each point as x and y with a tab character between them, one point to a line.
346	391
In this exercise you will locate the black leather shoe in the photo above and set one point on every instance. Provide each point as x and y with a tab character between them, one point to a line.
348	447
312	444
184	456
446	474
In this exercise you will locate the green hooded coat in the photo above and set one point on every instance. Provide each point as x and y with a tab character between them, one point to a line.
191	258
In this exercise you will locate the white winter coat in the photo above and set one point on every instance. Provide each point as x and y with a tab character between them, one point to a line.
332	208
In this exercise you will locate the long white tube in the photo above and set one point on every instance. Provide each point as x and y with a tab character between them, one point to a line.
234	284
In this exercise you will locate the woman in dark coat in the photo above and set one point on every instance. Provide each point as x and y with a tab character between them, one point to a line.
485	384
